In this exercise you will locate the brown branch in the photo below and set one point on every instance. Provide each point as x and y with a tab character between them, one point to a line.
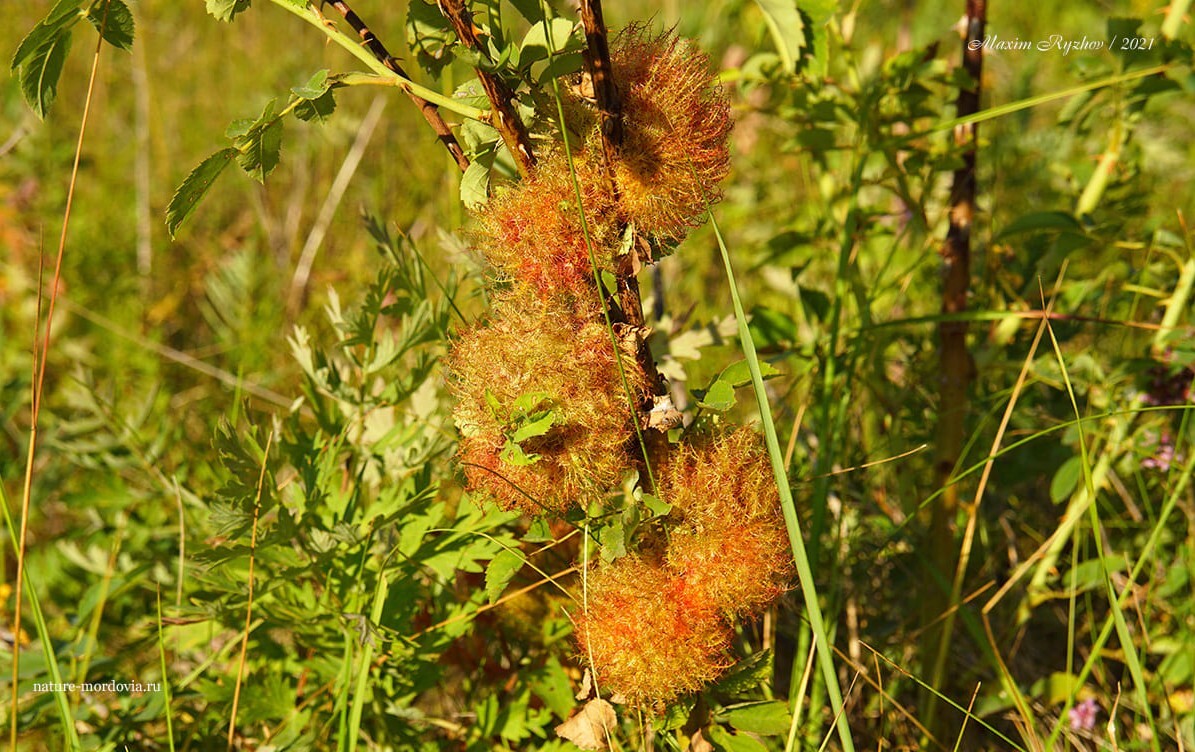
627	309
501	96
597	63
956	367
430	112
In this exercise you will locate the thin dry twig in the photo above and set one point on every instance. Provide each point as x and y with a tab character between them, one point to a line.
39	367
430	112
236	693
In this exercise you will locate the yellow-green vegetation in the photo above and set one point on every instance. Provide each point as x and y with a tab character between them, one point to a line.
336	447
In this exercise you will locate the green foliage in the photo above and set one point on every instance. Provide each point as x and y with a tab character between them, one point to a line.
387	609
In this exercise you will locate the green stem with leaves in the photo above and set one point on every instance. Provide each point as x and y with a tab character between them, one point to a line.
308	14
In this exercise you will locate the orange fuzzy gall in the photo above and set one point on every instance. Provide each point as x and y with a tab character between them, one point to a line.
532	232
677	125
553	356
650	635
731	541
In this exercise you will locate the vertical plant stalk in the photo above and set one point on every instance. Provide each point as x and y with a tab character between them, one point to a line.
597	63
506	118
430	112
956	367
40	356
236	692
609	104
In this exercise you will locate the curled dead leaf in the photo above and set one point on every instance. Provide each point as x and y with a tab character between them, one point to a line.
591	728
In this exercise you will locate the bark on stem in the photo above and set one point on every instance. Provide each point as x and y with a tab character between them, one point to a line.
609	105
430	112
957	371
501	96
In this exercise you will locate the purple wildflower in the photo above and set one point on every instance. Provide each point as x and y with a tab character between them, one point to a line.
1082	716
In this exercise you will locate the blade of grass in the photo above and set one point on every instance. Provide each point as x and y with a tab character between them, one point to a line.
165	678
1177	490
364	661
1128	645
61	700
804	571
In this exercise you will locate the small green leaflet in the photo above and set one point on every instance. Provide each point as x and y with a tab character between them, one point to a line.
747	675
513	454
315	87
118	27
724	741
316	99
475	183
536	425
501	570
536	45
763	718
260	145
654	505
195	187
39	58
787	29
720	394
225	10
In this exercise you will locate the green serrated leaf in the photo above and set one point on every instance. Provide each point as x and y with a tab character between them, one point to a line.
318	109
195	187
501	571
118	28
315	87
39	76
609	282
739	373
613	540
720	396
239	127
657	507
747	675
539	531
495	406
61	17
787	29
226	10
539	45
475	183
763	718
429	36
561	65
530	401
513	454
725	741
260	145
536	427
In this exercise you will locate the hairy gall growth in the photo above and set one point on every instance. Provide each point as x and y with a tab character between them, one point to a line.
677	124
650	634
540	405
532	232
731	542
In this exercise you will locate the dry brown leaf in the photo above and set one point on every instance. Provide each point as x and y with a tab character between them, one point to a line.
698	743
590	728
